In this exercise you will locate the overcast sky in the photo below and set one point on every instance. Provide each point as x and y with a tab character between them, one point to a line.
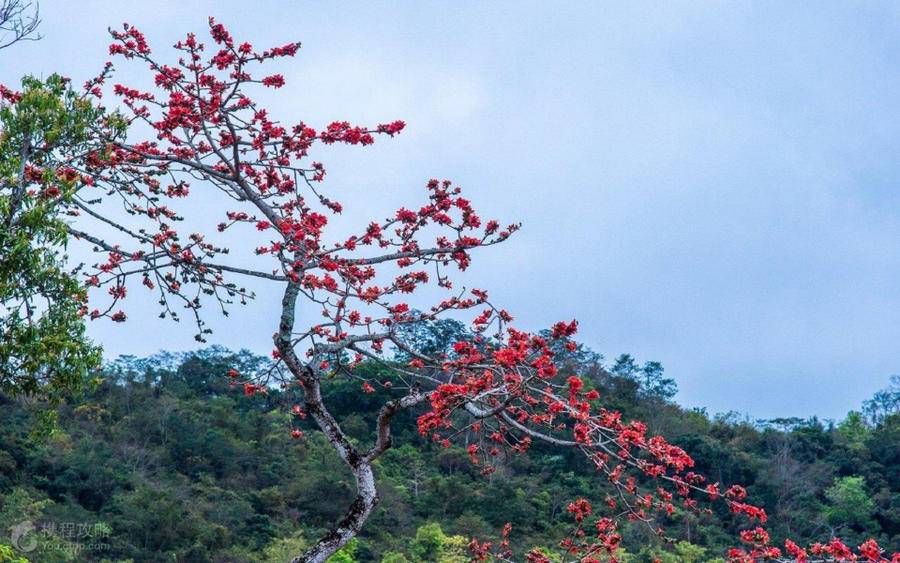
710	185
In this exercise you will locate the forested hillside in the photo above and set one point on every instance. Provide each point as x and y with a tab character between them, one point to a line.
164	460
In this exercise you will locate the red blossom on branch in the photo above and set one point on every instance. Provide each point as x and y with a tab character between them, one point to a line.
345	296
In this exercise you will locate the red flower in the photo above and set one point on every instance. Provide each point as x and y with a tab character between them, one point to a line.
564	330
757	536
575	384
391	128
274	81
870	550
118	291
580	509
799	554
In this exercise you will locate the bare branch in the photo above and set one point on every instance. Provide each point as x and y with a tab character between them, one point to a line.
19	20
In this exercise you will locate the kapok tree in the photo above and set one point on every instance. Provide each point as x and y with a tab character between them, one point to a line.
344	299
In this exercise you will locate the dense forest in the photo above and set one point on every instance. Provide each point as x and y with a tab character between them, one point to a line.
164	460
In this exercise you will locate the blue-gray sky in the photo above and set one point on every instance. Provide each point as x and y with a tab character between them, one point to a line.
711	185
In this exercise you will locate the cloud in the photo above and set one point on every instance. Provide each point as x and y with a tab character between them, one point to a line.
715	189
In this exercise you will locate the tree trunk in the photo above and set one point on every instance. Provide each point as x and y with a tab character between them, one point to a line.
359	465
351	523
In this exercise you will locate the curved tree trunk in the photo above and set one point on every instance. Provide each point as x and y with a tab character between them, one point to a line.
360	465
352	522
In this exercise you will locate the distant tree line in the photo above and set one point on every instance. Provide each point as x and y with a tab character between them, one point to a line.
171	462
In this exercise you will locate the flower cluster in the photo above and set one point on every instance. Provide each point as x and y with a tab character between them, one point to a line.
760	550
502	392
209	128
